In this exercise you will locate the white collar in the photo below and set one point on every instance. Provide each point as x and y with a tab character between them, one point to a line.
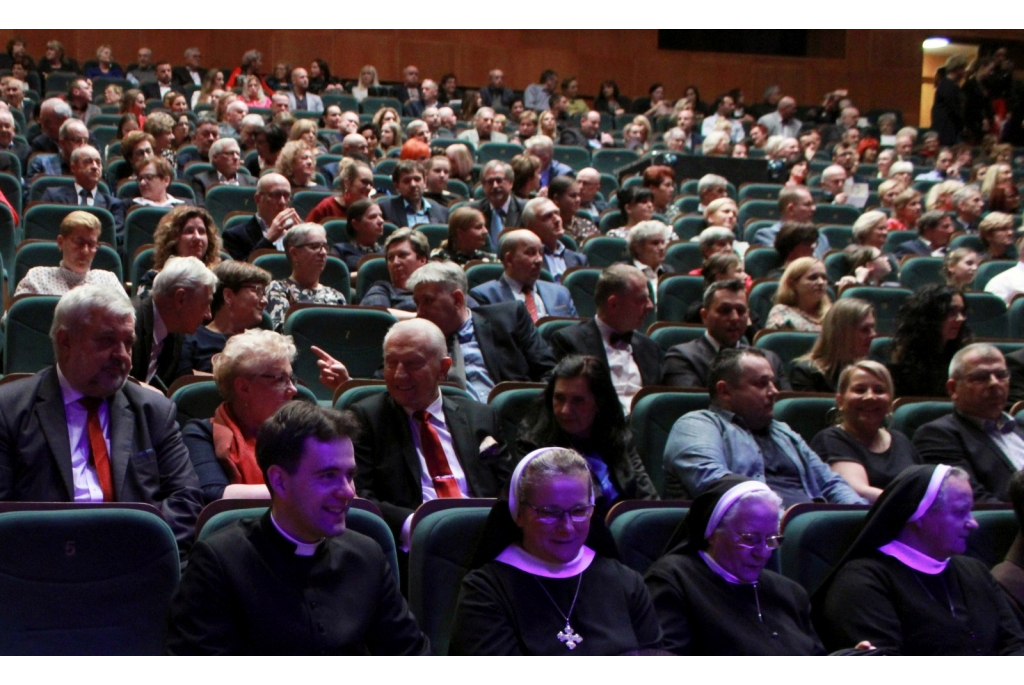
514	555
302	549
919	561
435	409
721	572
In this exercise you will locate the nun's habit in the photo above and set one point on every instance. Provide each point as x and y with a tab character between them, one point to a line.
905	602
704	610
515	603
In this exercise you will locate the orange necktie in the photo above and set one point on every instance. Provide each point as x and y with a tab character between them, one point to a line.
437	463
531	303
98	447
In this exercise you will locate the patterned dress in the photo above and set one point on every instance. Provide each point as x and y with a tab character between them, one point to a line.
284	293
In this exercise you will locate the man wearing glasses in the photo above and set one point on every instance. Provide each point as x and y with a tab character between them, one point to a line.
274	216
978	436
226	157
739	434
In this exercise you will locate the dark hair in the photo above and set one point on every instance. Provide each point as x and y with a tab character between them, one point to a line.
559	186
614	86
733	285
125	118
655	86
916	345
792	235
406	166
282	437
369	126
325	71
608	435
355	212
545	75
634	194
717	264
276	137
234	276
726	366
930	220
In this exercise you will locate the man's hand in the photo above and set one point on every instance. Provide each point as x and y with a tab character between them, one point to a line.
332	372
282	222
606	139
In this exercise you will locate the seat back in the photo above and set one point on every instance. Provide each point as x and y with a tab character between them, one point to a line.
676	294
140	227
838	236
886	301
651	421
787	344
442	549
602	251
359	520
512	404
989	270
758	209
608	161
844	215
305	200
689	227
502	151
27	345
575	157
759	261
986	315
907	418
94	580
641	534
352	335
760	191
478	274
921	271
670	335
370	271
42	222
996	531
435	234
807	415
760	301
894	239
8	238
1015	318
684	257
815	542
222	200
581	284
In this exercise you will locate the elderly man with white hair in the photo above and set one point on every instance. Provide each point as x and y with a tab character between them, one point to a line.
226	157
233	115
428	93
543	148
178	305
482	131
590	186
833	178
52	115
8	143
72	135
544	218
78	432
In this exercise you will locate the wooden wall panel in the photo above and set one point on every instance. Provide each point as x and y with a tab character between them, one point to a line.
880	67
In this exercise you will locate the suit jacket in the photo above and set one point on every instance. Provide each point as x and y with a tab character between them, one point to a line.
585	338
402	93
388	469
574	136
571	257
187	156
500	98
556	298
393	210
509	343
152	90
472	136
149	462
65	195
47	165
241	241
915	246
414	108
21	151
313	102
207	179
44	143
513	218
955	440
181	78
167	367
687	364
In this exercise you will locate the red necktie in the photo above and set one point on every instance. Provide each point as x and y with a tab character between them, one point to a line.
433	453
531	303
98	447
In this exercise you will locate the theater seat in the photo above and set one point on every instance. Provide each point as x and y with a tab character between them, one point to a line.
816	541
654	412
641	532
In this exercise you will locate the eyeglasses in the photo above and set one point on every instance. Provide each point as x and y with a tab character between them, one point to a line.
260	290
984	376
554	515
280	380
755	540
314	247
148	177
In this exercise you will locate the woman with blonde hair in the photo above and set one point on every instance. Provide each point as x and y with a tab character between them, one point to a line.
716	144
252	93
722	212
960	266
996	175
461	161
367	80
846	334
386	115
940	196
547	124
802	300
213	80
297	163
390	137
906	210
305	130
997	236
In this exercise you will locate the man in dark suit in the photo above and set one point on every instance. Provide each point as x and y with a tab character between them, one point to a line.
410	208
978	436
72	135
190	74
969	206
8	143
52	115
522	255
725	315
163	84
543	217
415	108
418	444
495	94
177	306
500	208
49	453
489	344
87	167
623	302
226	157
588	135
207	132
409	89
274	215
934	229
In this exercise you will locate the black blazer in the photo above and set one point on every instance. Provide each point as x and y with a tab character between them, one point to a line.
241	241
388	469
149	462
65	195
585	338
687	364
152	90
181	78
393	210
954	440
509	343
908	247
167	370
207	179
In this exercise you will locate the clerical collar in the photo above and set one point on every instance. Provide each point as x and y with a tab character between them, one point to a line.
514	555
919	561
302	549
721	572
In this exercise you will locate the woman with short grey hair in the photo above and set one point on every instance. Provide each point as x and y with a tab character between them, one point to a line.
306	247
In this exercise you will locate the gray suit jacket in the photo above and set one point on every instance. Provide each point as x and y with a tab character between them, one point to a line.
207	179
313	102
149	462
687	365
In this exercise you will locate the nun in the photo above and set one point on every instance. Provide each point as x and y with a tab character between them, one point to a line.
548	582
711	591
905	584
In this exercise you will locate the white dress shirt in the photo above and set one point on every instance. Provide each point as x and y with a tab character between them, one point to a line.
159	336
83	473
623	368
517	292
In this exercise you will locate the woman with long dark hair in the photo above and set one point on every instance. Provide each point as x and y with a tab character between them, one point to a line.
932	328
580	410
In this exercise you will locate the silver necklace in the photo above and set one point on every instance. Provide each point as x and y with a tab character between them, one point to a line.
567	636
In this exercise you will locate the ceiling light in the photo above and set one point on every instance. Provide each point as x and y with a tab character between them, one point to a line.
934	43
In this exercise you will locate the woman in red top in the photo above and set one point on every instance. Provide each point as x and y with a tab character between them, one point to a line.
356	179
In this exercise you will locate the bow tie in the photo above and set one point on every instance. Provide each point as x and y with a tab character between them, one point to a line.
1003	425
625	338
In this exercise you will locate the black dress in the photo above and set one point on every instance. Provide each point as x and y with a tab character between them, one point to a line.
198	349
835	445
505	611
704	615
903	611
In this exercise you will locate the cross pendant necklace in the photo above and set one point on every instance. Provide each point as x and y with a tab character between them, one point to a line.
567	636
